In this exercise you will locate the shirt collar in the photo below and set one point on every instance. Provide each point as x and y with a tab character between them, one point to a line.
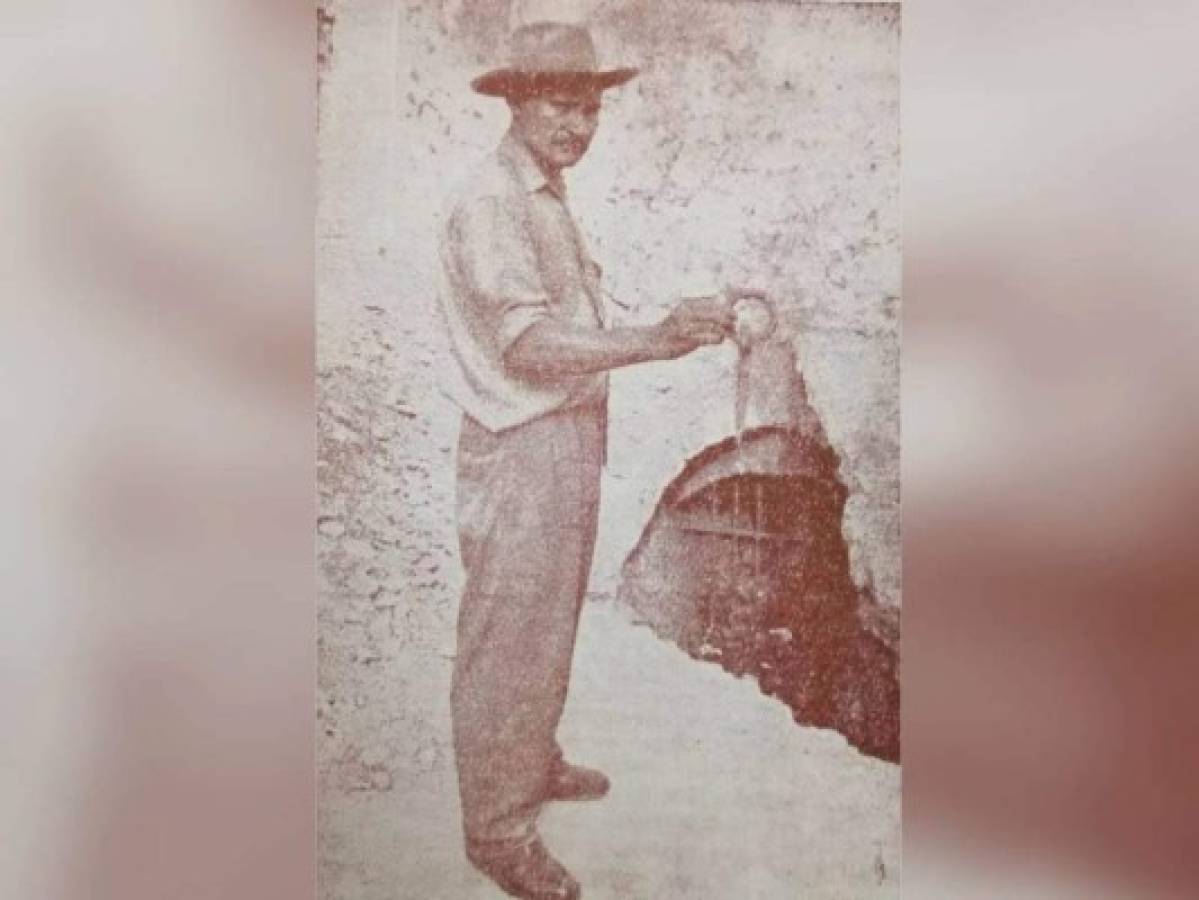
530	175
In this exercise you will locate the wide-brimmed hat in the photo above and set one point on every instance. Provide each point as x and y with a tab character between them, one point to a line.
547	56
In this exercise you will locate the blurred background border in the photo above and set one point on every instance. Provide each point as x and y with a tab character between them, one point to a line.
157	640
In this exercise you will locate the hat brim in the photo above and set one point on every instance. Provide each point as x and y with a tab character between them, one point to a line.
516	83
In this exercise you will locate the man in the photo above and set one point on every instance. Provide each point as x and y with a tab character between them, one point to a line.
522	309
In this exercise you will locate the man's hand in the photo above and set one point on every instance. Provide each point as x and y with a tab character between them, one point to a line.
551	349
737	292
695	322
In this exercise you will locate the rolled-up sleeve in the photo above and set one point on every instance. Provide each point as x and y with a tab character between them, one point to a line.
498	268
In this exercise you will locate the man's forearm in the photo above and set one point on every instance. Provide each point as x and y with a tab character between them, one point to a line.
551	349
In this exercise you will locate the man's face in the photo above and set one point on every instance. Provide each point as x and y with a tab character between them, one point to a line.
558	126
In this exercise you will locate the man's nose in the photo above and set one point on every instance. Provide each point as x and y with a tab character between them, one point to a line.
581	122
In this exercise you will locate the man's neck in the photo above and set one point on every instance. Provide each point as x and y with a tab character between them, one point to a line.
552	174
550	171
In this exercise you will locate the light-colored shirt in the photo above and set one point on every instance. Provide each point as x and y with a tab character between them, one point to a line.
512	256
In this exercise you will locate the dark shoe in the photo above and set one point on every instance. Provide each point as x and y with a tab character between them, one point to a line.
525	870
567	782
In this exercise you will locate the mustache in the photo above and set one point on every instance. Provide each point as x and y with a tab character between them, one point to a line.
574	143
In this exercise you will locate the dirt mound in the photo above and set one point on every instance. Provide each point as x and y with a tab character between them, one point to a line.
751	571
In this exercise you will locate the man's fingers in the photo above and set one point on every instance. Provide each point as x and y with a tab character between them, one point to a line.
711	309
698	322
715	319
709	335
736	292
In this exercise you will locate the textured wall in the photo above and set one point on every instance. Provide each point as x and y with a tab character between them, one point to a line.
759	145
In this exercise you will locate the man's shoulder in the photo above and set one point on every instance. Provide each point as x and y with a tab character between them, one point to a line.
487	185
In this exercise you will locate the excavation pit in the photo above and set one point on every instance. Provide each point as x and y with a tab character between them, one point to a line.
744	564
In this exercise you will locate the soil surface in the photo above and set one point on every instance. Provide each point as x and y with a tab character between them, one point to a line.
717	792
752	573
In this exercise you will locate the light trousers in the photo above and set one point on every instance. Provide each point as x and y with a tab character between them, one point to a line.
528	506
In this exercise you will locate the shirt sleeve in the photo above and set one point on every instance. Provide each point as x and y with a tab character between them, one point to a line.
499	268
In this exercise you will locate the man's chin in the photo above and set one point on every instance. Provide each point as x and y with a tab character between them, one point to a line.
565	158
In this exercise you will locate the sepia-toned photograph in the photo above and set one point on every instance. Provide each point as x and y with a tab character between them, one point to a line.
453	450
608	473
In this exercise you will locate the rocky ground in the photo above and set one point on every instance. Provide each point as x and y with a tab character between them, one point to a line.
717	792
751	572
777	165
